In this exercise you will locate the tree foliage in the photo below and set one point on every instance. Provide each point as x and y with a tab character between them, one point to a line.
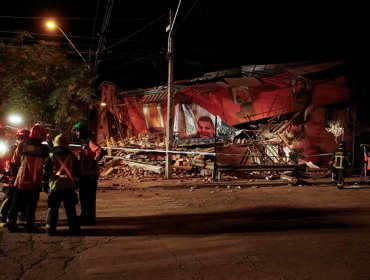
42	83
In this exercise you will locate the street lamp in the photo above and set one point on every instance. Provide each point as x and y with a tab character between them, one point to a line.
51	25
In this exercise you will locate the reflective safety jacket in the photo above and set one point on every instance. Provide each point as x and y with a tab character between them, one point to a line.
90	155
367	160
28	161
61	169
340	159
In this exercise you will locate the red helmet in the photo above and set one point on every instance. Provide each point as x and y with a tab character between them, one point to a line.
23	134
38	132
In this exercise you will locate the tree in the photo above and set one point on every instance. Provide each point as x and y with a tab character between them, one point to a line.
43	83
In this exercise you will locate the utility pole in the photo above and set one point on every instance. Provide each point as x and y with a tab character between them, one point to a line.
170	105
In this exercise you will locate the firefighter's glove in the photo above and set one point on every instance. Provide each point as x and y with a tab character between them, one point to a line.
45	187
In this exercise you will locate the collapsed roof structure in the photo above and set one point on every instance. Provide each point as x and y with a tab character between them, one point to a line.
276	113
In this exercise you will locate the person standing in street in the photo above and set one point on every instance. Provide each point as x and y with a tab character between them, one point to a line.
21	136
340	163
366	170
89	157
27	165
60	180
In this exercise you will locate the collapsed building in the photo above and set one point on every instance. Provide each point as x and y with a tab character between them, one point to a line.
266	118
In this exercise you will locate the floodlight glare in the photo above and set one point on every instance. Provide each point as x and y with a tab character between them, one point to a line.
3	148
15	120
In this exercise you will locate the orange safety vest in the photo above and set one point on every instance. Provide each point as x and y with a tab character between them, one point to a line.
30	158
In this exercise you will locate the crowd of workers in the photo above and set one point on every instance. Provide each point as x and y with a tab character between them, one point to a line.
31	166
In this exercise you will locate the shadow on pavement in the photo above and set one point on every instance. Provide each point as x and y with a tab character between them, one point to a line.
243	221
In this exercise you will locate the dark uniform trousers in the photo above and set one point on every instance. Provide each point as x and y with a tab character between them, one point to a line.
69	199
87	191
24	199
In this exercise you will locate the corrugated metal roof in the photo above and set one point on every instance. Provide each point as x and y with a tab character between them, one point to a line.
295	68
143	91
245	81
204	87
158	94
313	68
154	98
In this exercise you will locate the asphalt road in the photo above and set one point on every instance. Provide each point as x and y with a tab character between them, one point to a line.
228	232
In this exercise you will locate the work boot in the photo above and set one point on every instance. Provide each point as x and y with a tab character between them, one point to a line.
340	187
22	217
85	220
75	231
12	227
31	228
51	231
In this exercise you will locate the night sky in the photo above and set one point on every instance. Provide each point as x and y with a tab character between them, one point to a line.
209	35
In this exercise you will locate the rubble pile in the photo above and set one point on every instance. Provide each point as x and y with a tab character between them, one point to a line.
143	157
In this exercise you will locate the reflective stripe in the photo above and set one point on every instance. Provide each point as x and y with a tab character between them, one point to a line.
29	170
339	161
63	166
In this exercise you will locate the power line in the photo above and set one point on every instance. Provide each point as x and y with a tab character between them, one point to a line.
186	15
103	35
75	18
77	37
138	31
94	27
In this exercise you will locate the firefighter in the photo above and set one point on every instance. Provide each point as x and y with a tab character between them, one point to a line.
27	165
340	163
89	156
8	180
60	179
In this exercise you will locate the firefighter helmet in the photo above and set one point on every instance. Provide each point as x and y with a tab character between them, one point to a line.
23	134
60	141
38	132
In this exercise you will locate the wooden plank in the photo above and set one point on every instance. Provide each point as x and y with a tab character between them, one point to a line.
183	167
154	168
106	172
